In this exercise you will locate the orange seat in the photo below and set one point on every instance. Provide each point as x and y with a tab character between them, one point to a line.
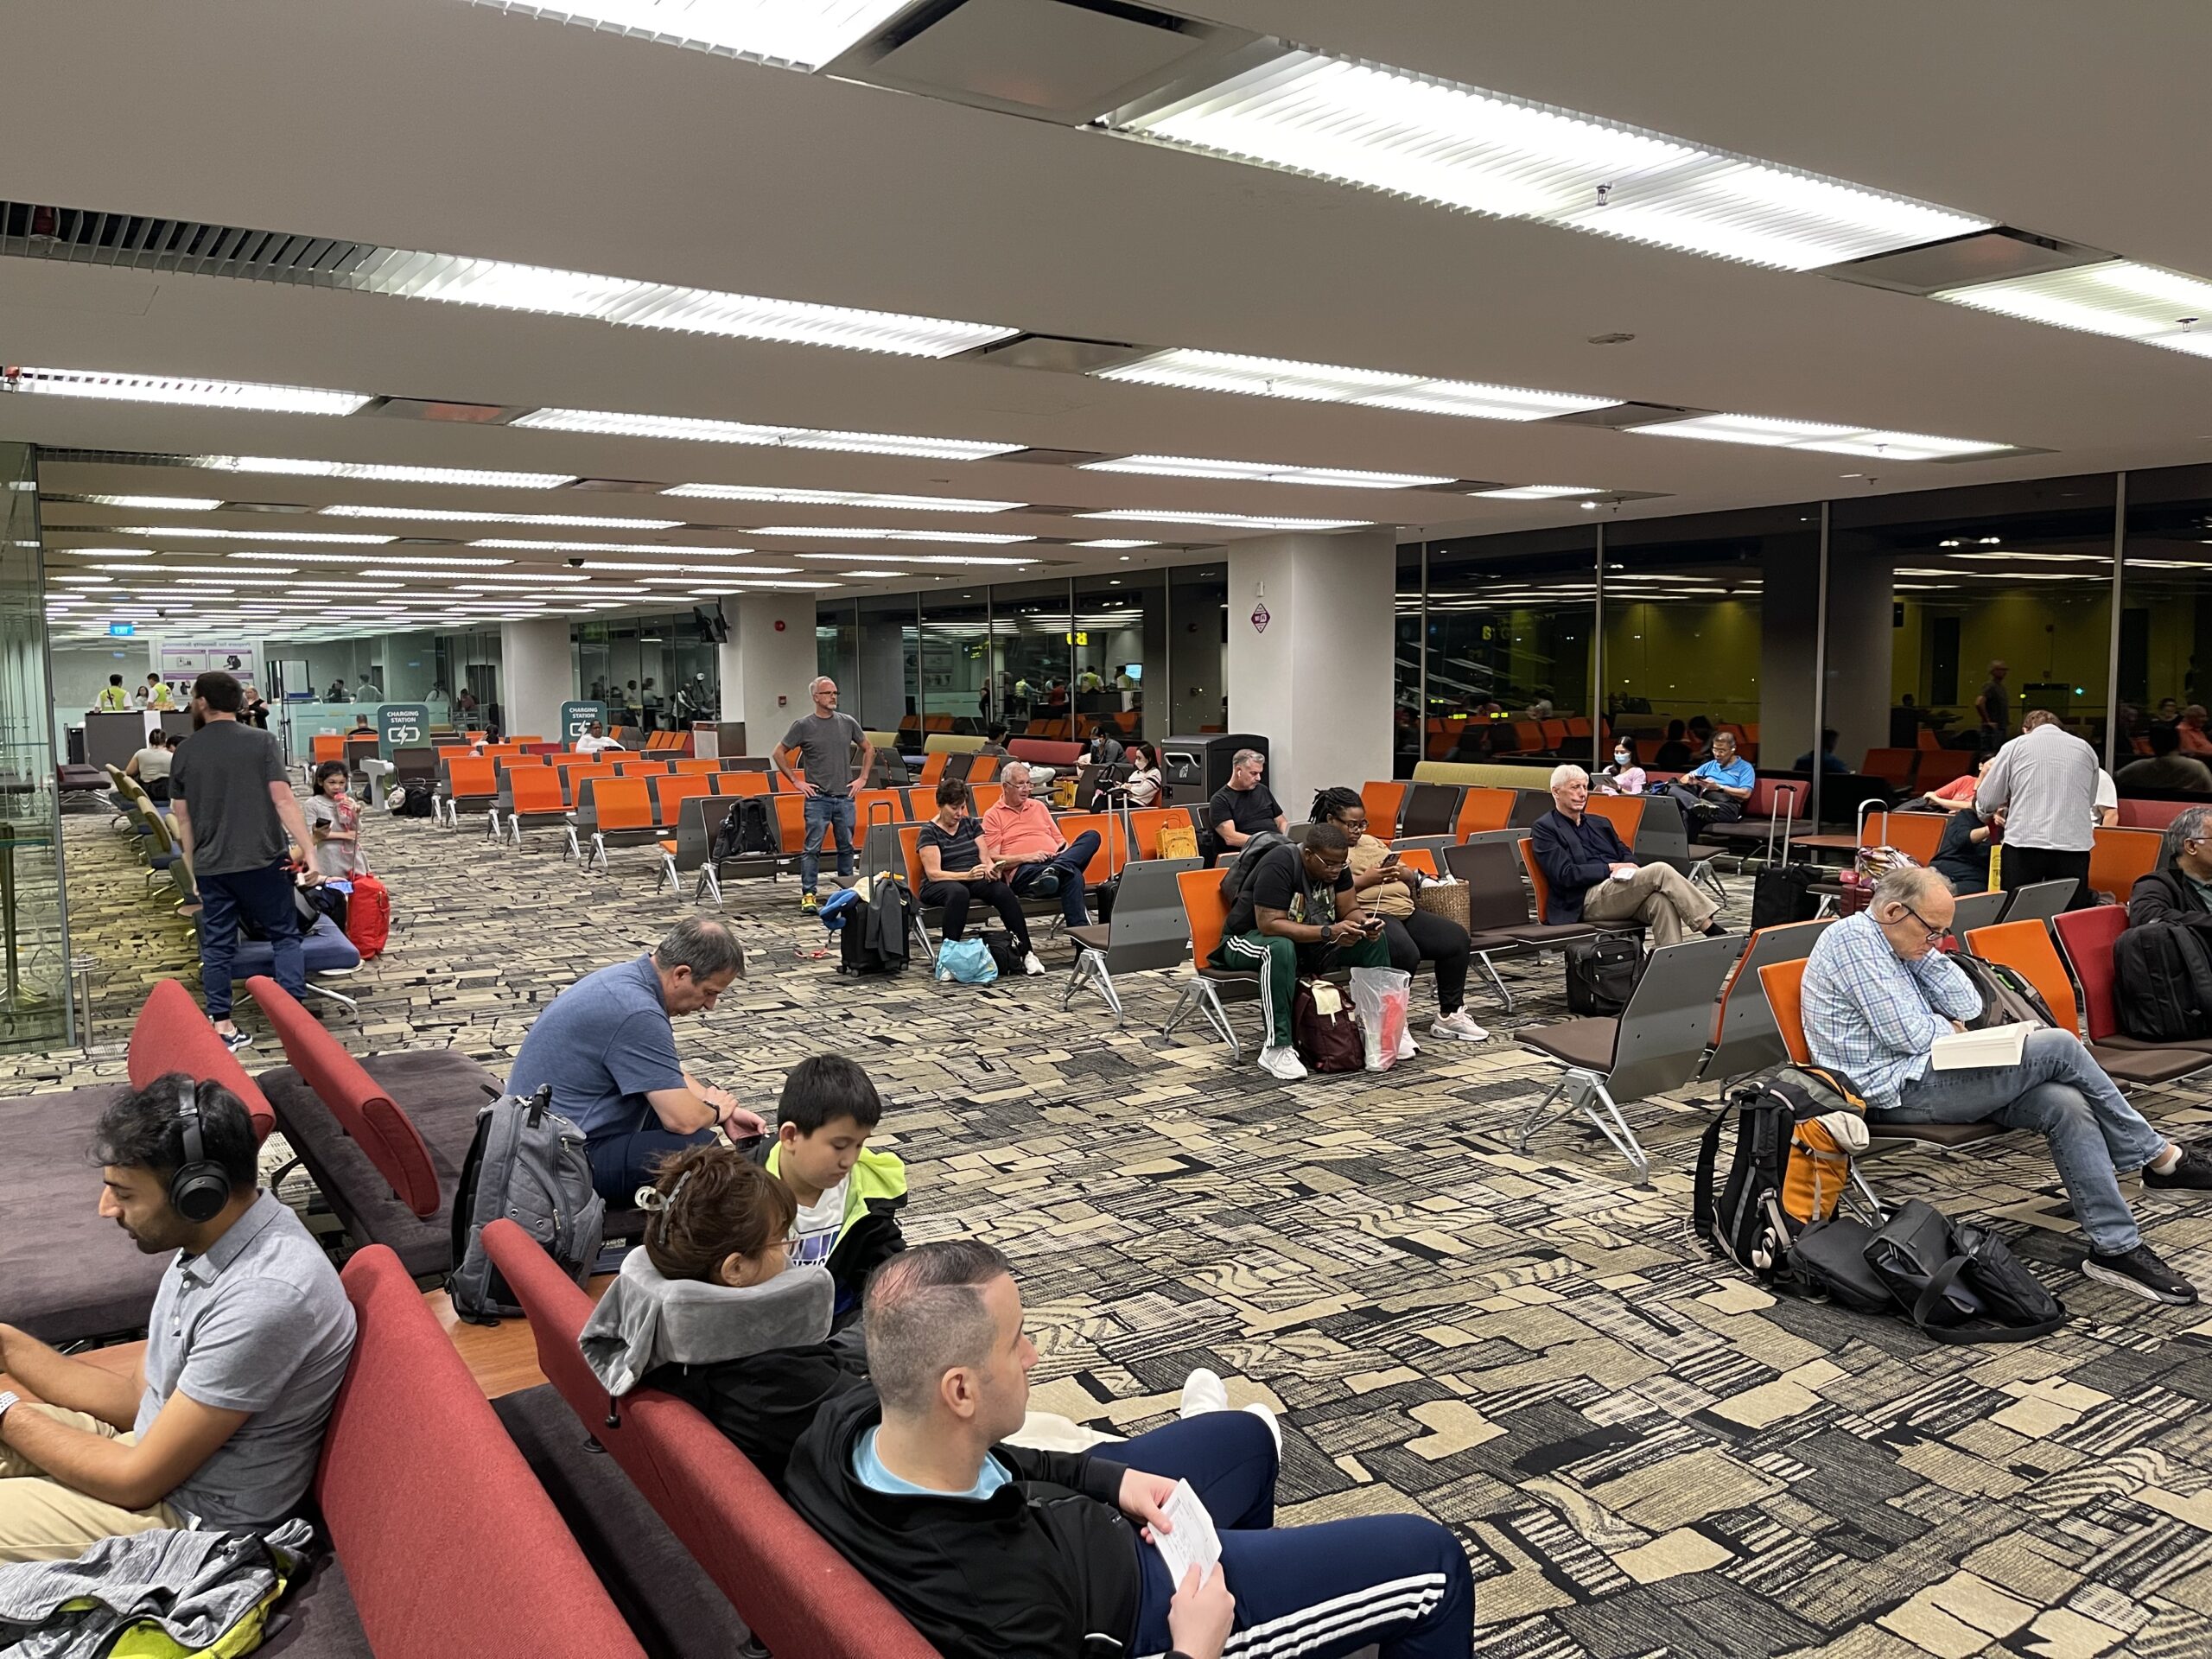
1915	834
1542	887
932	769
515	740
507	762
910	855
572	780
1555	732
741	782
622	804
672	791
446	751
1482	810
1896	767
701	765
1072	824
1421	859
1623	812
2120	858
472	778
1145	823
2025	948
642	768
790	822
1205	911
983	769
982	797
532	789
1529	736
1784	985
1383	800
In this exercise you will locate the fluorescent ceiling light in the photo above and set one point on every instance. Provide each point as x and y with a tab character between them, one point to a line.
477	576
870	575
1320	383
620	301
615	424
85	581
977	560
841	499
785	34
198	394
1117	540
1226	520
108	552
1536	492
2122	298
2054	558
156	503
978	537
201	533
710	592
446	515
1260	471
428	560
1769	433
696	569
609	547
377	472
1482	152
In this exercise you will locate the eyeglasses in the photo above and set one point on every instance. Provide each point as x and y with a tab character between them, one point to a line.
1936	935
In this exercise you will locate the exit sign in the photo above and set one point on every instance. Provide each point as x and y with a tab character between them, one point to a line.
122	630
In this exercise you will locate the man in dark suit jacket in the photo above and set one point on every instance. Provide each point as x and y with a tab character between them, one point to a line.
1594	878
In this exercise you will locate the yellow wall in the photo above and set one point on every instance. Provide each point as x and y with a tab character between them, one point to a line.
1686	657
2064	634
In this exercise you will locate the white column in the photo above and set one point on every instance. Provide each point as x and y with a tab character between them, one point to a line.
536	674
1316	679
767	664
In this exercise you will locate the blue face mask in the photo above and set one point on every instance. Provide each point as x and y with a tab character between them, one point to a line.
1620	757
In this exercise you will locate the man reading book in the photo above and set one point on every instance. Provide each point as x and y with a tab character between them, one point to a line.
995	1551
1879	995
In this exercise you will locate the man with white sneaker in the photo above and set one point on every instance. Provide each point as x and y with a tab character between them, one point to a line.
1299	913
955	873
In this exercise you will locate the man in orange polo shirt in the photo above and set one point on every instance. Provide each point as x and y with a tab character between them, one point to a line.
1020	831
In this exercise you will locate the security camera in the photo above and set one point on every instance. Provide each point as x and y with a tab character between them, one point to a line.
573	565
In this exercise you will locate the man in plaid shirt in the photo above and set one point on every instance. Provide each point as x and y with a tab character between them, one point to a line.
1877	996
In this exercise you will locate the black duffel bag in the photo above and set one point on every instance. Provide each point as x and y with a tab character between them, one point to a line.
1959	1284
1602	972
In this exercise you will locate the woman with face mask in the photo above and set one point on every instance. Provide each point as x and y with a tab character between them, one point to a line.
1624	776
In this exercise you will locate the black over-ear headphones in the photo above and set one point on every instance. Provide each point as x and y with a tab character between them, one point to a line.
199	1188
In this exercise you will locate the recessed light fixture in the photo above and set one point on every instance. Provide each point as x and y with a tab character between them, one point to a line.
1260	471
785	33
197	532
829	533
416	572
1769	433
173	389
696	570
608	547
1536	492
1479	151
870	575
448	515
616	424
930	559
156	503
841	499
1115	541
379	472
429	560
2121	299
106	552
1225	520
1322	383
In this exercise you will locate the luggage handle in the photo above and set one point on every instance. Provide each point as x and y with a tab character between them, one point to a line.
1939	1284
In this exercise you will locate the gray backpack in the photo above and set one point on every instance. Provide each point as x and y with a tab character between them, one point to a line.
527	1163
1261	843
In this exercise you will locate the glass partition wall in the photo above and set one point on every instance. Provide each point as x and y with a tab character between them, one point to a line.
35	1008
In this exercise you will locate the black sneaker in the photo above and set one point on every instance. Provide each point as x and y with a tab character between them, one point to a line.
235	1041
2191	1169
2140	1271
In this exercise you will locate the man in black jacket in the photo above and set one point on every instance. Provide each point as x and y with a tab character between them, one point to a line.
1595	878
994	1551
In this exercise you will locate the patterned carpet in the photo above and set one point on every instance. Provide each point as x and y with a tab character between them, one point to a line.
1643	1454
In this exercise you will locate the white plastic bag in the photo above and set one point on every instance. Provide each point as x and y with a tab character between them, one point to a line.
1381	997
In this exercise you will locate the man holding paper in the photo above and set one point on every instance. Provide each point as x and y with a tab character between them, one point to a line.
996	1552
1880	999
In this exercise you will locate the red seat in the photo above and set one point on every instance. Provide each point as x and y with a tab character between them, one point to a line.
800	1597
171	1034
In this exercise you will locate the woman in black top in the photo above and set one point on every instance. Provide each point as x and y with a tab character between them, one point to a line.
956	872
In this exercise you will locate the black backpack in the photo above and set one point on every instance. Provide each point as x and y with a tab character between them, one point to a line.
1741	1218
2007	999
2162	983
1249	855
748	829
1602	972
418	799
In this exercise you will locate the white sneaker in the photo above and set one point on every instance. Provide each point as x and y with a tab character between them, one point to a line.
1283	1063
1030	965
1459	1026
1407	1048
1203	1391
1266	1414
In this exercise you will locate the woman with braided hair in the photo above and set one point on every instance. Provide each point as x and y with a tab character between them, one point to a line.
1386	889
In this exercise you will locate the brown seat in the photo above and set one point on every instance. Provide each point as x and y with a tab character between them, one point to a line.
1586	1042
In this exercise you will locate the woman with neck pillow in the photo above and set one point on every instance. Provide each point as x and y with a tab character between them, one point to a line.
709	1312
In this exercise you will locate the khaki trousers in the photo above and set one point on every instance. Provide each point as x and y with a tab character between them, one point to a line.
42	1520
1657	896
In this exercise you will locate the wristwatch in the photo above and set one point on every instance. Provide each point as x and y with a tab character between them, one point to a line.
7	1397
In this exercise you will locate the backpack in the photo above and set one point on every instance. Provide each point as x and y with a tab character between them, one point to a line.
1602	972
2161	982
418	799
527	1163
2007	999
1008	959
1794	1136
1873	863
368	916
1323	1029
1784	894
1248	860
748	829
1828	1124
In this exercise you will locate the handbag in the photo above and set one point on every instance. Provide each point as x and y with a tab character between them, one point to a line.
1323	1029
1602	972
1450	898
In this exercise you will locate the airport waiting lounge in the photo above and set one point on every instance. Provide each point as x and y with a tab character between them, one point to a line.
857	829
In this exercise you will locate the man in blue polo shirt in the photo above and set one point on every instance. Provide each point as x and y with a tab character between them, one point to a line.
1715	791
608	1048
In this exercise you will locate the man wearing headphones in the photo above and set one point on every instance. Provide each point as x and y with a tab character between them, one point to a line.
221	1423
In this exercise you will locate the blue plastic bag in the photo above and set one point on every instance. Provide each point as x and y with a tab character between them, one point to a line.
967	961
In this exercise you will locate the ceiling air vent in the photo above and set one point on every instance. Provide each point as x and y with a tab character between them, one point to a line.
1063	60
1053	457
1960	261
1619	417
1059	353
76	236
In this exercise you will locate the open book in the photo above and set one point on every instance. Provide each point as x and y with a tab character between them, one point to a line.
1965	1051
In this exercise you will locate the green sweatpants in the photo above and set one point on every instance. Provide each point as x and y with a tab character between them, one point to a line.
1279	963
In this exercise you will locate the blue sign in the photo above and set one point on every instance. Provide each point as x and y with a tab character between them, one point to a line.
122	630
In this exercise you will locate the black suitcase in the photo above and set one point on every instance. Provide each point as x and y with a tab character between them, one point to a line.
1783	891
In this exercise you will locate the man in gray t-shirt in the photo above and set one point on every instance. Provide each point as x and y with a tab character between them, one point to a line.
823	741
221	1424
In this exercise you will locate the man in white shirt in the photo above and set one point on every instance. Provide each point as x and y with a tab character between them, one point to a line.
595	740
2044	781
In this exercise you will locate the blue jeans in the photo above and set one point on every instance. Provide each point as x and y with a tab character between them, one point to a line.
2063	1095
823	813
1399	1581
623	1163
1070	862
265	896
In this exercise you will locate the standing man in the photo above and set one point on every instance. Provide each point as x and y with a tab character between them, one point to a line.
114	700
1023	840
233	809
2044	782
155	694
1243	807
825	741
608	1047
1994	707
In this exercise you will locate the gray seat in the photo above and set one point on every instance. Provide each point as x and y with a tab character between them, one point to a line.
1429	810
1977	910
2039	901
67	1273
1747	1040
1656	1043
1498	922
1147	930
